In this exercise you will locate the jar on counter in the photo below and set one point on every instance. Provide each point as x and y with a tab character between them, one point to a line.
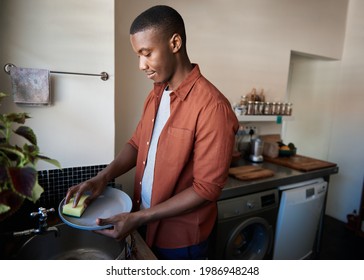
274	108
238	111
261	108
267	108
243	105
243	100
279	108
250	108
284	109
256	108
289	109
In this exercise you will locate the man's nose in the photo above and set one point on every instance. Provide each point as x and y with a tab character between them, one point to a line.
142	63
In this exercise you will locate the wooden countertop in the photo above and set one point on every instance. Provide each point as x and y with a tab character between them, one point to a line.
282	176
301	163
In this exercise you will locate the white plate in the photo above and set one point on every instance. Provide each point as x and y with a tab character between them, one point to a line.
111	202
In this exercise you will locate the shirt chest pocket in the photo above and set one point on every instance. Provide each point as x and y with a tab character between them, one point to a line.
175	146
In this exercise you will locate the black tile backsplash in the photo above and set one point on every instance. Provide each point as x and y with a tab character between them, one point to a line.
55	182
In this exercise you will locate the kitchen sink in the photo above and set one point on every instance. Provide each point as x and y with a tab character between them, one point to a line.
71	244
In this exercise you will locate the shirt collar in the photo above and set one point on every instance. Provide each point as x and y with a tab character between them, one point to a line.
185	87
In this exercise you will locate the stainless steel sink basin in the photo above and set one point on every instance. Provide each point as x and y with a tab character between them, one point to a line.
71	244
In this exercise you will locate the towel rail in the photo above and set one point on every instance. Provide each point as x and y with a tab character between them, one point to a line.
104	76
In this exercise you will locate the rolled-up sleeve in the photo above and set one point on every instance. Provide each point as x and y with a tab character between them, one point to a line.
215	137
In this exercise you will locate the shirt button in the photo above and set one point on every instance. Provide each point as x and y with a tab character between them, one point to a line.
143	162
140	183
152	120
148	143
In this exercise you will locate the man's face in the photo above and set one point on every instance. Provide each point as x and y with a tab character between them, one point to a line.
155	54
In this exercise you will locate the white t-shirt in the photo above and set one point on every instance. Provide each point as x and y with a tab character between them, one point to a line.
161	119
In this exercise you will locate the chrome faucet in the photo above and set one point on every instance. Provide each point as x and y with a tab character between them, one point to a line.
42	215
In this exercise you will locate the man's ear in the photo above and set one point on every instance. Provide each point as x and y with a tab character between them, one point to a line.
176	42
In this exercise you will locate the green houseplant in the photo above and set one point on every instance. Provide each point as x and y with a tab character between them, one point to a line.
18	174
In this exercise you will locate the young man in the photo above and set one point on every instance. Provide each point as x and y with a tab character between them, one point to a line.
181	148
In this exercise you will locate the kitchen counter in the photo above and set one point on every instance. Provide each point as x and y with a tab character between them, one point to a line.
282	176
140	250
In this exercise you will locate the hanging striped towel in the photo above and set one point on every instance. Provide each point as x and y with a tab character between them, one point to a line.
30	86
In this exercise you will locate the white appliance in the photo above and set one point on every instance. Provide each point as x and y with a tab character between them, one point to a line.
299	214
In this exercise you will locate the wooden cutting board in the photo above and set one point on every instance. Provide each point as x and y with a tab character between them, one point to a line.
301	163
250	172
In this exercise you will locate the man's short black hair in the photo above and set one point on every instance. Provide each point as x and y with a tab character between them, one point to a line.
163	18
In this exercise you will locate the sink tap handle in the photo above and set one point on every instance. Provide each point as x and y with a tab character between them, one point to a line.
42	213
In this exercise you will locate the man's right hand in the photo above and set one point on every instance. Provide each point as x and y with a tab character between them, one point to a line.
94	185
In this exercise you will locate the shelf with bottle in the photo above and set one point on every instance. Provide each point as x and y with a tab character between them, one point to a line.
264	118
254	107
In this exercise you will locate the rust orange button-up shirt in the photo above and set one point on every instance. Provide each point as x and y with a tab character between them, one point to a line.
194	150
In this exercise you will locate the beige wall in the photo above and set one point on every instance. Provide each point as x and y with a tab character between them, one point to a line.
328	123
346	141
239	45
74	36
244	44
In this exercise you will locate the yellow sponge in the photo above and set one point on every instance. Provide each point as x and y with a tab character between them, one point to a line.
78	210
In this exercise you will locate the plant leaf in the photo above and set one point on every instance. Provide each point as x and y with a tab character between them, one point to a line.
11	151
4	208
17	117
50	160
27	133
31	154
10	199
37	192
2	95
3	176
23	180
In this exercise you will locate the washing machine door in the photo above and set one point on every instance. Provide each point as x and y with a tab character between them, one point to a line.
250	240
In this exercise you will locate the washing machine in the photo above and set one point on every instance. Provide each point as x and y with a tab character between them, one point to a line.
245	227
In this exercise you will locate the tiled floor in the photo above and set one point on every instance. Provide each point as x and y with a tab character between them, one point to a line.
340	243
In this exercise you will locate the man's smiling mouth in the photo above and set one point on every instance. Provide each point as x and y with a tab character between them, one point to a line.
150	74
